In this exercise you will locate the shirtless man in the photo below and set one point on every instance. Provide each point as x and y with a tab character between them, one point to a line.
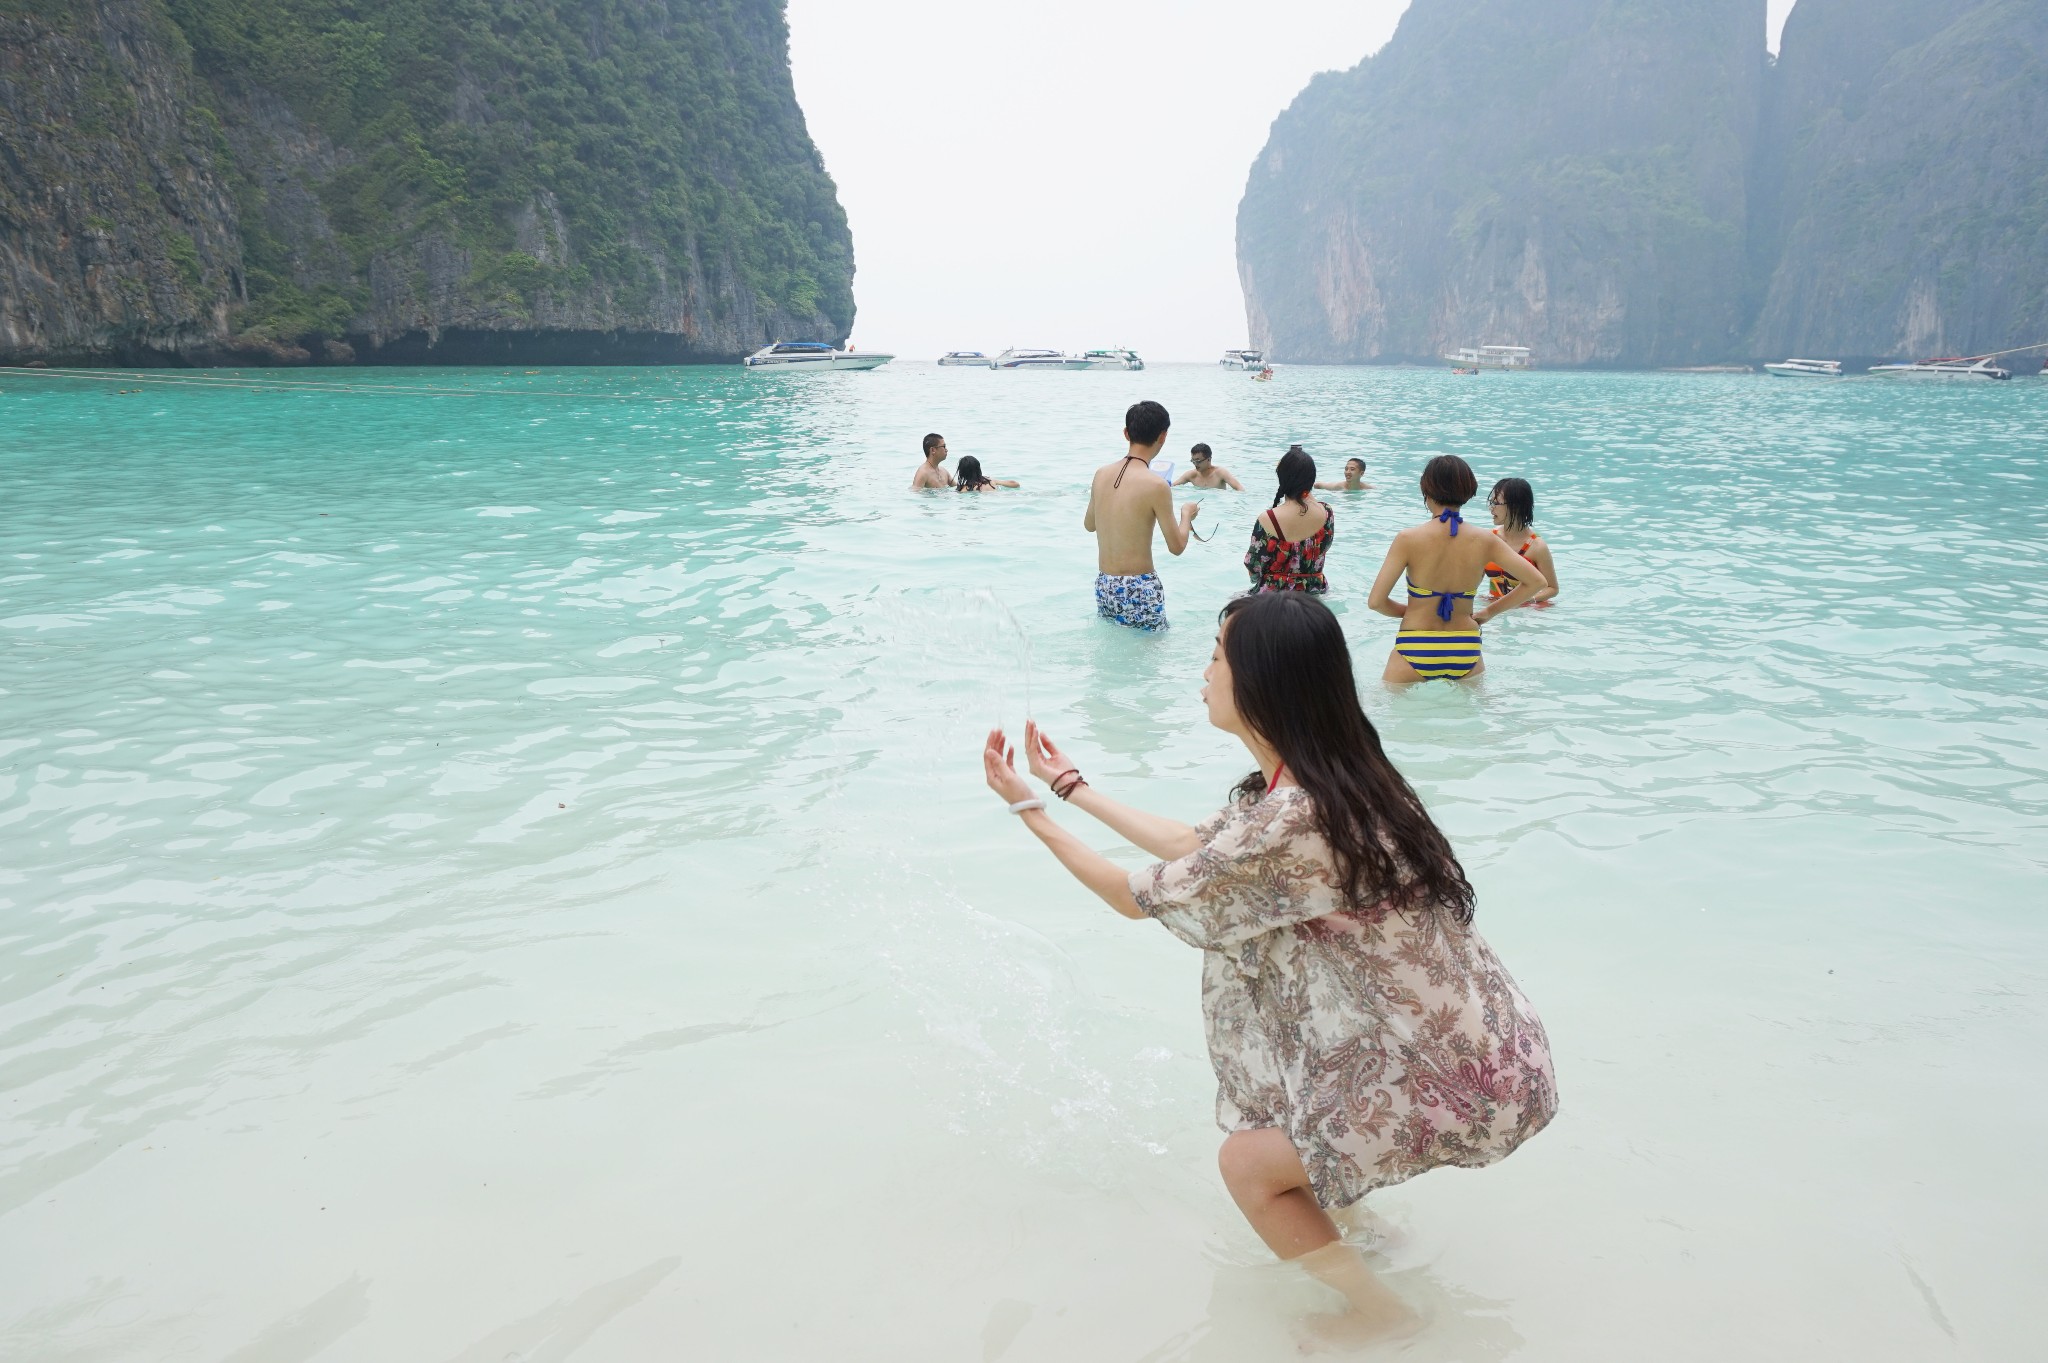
1125	502
1205	473
1354	479
929	474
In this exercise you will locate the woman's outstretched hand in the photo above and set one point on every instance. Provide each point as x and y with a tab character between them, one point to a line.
996	765
1048	763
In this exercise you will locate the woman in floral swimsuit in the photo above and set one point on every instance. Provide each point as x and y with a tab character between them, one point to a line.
1361	1030
1288	556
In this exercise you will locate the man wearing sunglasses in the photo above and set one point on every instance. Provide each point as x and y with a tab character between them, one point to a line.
1205	473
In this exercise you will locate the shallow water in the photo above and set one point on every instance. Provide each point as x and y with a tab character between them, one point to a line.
506	875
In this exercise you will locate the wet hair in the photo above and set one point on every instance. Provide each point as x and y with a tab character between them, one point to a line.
1447	480
1291	680
1145	422
971	476
1201	449
933	439
1519	500
1297	476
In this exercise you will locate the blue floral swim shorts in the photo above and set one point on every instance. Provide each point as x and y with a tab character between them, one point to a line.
1138	601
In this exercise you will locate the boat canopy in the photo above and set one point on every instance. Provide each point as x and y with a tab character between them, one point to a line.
787	347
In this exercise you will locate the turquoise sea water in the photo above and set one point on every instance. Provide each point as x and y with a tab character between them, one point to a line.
507	876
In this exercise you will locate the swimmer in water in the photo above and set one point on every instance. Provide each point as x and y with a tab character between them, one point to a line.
1354	479
1205	473
1126	500
1513	504
972	479
1361	1030
929	474
1439	635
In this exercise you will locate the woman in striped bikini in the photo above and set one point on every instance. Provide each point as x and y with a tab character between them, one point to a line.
1439	635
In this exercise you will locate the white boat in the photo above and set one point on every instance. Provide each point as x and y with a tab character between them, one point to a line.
1805	369
793	356
1113	359
1490	357
1243	359
1025	357
971	358
1966	367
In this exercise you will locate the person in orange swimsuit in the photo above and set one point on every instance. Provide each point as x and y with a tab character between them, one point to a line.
1513	504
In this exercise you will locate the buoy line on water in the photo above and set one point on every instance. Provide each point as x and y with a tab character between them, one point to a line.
254	385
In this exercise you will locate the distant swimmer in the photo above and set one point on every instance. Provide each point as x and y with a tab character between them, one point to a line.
929	474
1125	501
972	479
1513	504
1290	541
1205	473
1354	479
1439	635
1361	1029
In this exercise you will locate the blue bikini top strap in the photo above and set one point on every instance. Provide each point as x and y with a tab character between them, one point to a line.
1449	516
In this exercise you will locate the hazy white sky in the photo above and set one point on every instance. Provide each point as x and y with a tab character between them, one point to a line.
1063	173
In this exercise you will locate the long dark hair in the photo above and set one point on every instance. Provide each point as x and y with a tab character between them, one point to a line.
1291	679
970	475
1518	499
1297	476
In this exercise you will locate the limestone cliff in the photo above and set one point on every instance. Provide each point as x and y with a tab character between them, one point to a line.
1904	188
204	181
1634	183
1569	175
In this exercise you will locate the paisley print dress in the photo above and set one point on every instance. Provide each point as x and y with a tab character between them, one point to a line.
1384	1043
1284	565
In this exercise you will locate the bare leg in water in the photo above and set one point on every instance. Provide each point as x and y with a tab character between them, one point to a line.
1270	1187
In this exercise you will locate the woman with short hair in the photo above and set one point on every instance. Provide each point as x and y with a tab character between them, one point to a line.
1513	504
1439	636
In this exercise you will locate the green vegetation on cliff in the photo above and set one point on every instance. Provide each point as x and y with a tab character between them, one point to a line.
405	168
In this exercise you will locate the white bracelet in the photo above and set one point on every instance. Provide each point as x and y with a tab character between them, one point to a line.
1025	806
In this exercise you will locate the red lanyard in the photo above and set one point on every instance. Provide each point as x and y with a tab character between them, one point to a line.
1274	784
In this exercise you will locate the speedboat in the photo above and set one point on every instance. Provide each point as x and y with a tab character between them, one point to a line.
1491	357
1964	367
1805	369
1243	359
971	358
1028	358
1113	359
793	356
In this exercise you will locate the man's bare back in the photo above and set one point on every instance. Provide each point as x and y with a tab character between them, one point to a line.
1126	500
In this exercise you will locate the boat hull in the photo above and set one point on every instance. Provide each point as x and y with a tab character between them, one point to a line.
1936	372
1793	371
808	364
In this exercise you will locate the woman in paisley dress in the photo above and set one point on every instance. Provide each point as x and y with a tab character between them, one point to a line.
1290	541
1361	1030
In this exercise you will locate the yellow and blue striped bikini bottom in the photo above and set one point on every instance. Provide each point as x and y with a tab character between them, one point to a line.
1446	654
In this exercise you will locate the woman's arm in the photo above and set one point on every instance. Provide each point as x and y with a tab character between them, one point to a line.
1381	598
1163	838
1108	880
1547	566
1528	581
